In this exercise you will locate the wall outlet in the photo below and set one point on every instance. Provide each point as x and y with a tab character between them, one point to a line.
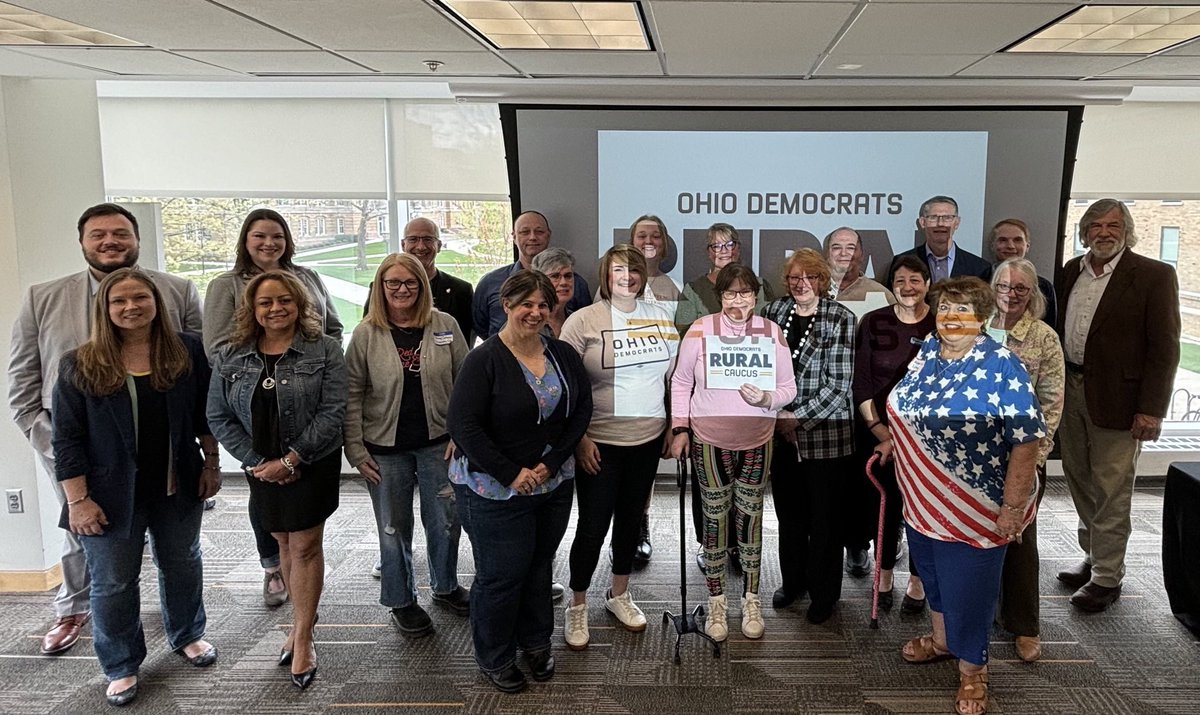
16	502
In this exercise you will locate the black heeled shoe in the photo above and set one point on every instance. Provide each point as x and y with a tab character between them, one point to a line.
887	599
912	605
285	655
305	679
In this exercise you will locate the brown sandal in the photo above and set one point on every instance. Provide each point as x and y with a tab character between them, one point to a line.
925	650
972	688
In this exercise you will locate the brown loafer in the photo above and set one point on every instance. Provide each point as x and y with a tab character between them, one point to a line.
1029	648
64	633
1094	598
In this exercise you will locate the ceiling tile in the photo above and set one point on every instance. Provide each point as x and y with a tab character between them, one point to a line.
598	64
1191	49
894	65
744	38
169	24
16	64
1030	65
944	28
455	63
1161	66
395	25
277	62
130	61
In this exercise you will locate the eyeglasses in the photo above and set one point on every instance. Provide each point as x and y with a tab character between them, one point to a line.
940	218
409	285
735	294
562	277
796	280
1015	290
722	247
425	240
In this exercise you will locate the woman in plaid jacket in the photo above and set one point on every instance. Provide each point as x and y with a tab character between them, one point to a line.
814	436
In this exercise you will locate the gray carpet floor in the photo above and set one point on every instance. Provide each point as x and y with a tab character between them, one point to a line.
1135	658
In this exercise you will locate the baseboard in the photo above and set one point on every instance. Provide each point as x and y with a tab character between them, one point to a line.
30	581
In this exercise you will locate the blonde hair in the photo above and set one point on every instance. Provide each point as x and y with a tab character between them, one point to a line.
377	303
1036	308
246	328
99	369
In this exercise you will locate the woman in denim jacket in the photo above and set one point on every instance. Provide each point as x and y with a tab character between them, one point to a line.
277	402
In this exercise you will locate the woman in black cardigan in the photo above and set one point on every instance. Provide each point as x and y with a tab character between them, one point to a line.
521	403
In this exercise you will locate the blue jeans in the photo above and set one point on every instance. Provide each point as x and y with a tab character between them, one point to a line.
392	499
116	564
513	542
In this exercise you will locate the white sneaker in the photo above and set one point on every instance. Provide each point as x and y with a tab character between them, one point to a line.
715	626
752	622
626	611
575	627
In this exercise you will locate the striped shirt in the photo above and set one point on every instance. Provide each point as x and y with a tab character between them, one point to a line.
954	423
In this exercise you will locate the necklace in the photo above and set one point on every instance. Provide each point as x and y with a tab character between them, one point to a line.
268	382
807	331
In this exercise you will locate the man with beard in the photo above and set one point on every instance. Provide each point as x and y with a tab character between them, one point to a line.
1120	333
55	318
938	221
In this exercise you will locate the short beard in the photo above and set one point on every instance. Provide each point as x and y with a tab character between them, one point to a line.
131	259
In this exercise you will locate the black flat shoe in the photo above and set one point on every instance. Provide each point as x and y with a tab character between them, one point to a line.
782	598
886	599
124	697
305	679
912	605
509	680
203	660
541	665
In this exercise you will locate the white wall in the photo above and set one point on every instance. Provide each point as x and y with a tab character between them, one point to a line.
1139	150
50	170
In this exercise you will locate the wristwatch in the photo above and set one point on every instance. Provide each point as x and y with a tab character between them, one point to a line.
675	431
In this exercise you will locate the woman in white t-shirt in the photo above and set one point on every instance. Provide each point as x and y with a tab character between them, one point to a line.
628	348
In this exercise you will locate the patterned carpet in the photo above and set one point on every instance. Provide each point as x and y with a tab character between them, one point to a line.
1133	659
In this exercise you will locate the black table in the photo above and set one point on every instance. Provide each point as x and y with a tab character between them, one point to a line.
1181	543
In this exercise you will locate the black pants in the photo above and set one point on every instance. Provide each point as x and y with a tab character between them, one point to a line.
268	547
1019	597
617	495
893	525
809	497
860	508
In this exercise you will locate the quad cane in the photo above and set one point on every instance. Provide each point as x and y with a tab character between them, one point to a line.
878	539
686	622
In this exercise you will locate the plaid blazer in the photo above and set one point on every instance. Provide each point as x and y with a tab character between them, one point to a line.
824	372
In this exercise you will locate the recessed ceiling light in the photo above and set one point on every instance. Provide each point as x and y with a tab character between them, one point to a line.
1116	30
19	26
555	25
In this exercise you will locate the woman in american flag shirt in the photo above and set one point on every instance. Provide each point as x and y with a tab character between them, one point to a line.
965	425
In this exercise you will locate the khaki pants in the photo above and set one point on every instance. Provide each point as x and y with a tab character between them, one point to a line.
1100	466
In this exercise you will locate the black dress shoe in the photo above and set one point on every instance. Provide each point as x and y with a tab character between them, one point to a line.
819	612
912	605
887	599
641	556
541	665
509	680
858	562
458	601
1094	598
412	621
783	598
1077	576
124	697
203	660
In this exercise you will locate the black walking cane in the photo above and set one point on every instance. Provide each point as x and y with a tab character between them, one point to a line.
878	539
686	622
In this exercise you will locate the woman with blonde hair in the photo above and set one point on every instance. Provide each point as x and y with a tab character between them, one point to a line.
401	365
277	403
128	413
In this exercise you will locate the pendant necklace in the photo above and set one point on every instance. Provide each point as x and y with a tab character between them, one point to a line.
807	331
268	382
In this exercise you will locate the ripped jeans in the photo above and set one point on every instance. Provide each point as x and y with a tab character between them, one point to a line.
392	499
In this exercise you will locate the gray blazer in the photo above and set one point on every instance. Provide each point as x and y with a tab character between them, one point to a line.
224	296
54	320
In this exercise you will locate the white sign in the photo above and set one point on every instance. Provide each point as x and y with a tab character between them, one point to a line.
730	363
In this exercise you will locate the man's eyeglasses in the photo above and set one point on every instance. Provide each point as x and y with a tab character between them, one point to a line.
425	240
410	285
735	294
722	247
941	218
1015	290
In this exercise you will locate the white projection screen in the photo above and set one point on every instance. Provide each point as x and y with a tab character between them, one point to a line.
787	177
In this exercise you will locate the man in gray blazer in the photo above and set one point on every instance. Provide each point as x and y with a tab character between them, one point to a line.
55	318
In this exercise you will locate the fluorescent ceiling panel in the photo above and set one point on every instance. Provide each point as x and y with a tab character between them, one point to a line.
1116	30
550	24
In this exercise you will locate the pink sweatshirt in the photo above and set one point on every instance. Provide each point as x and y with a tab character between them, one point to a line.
721	417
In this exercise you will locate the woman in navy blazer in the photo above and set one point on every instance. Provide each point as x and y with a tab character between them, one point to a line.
129	425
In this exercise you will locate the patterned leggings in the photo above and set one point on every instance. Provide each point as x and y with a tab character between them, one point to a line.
739	476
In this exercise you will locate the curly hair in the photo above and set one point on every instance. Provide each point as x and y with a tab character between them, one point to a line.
247	329
967	290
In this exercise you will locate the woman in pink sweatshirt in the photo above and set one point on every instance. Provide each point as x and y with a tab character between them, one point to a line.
734	373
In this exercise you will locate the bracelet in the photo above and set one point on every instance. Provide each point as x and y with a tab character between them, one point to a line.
287	463
874	424
1014	509
80	499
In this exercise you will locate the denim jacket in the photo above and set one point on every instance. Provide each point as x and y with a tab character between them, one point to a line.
310	386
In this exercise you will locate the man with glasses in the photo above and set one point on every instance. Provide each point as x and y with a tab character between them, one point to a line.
1009	238
938	221
1120	333
531	236
451	295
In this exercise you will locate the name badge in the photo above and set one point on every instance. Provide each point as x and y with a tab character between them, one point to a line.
443	338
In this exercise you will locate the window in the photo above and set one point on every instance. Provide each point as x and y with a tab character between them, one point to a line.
382	226
1079	249
303	226
1168	247
341	225
320	225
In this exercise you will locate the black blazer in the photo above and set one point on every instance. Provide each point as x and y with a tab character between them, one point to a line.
94	437
965	263
495	421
